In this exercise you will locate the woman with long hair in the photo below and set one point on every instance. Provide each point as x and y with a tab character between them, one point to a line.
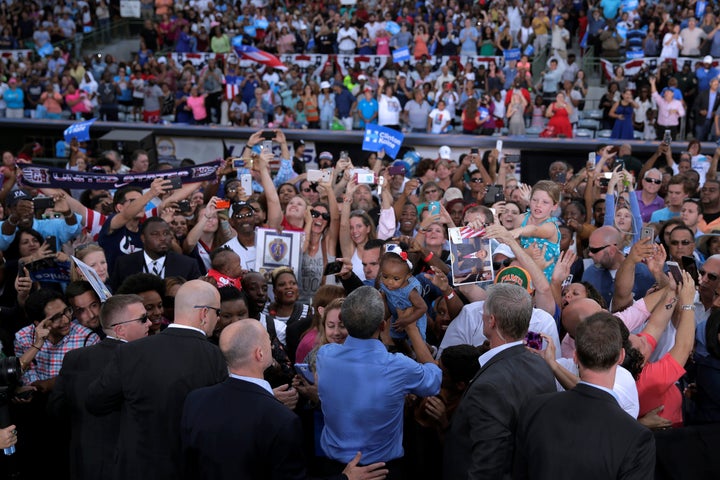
311	106
359	228
471	117
207	234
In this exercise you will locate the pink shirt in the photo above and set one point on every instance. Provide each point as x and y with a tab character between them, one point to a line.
306	344
383	45
664	117
197	105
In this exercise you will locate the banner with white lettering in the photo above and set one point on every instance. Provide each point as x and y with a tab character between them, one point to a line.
378	138
39	176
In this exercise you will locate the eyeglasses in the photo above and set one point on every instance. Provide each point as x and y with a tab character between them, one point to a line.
681	242
431	191
653	180
712	276
217	310
600	249
477	180
142	320
316	214
65	313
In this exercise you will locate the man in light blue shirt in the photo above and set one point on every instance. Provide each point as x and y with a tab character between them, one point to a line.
362	387
468	39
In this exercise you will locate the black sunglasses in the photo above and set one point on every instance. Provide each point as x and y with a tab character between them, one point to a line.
681	242
477	180
142	319
316	214
500	265
600	249
653	180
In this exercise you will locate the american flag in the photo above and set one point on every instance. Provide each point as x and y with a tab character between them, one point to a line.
469	232
248	52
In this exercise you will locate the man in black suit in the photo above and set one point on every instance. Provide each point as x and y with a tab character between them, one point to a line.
93	439
237	429
583	432
481	439
148	381
704	108
156	257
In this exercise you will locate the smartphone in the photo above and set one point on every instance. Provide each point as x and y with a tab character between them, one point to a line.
667	137
648	232
512	158
41	204
674	270
222	204
567	281
25	395
52	243
21	269
494	194
303	369
690	266
184	206
434	208
267	145
333	268
238	162
534	340
592	160
499	145
246	183
561	177
619	163
474	151
365	177
397	170
175	182
344	155
314	175
268	135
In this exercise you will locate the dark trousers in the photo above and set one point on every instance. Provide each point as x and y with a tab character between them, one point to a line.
396	468
660	131
704	129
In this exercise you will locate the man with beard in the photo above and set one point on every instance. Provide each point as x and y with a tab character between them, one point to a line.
710	200
156	257
244	220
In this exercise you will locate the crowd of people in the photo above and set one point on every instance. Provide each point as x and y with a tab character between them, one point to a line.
500	94
370	343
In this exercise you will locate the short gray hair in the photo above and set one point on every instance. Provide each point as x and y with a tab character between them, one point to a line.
512	308
362	312
113	310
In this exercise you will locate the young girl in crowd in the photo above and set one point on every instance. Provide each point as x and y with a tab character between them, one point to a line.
402	292
539	226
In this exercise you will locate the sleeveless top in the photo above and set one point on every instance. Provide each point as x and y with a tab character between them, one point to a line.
552	253
311	110
358	266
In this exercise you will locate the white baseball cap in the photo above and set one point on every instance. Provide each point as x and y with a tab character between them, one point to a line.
445	152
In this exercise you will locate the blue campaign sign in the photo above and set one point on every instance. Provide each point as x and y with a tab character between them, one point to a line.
633	54
630	5
511	54
392	28
381	138
79	130
401	54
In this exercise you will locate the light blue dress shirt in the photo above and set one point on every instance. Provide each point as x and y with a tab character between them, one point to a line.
362	388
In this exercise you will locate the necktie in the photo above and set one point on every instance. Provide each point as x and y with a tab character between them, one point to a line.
155	268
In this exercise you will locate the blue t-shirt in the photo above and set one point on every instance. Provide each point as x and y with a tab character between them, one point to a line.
367	109
118	243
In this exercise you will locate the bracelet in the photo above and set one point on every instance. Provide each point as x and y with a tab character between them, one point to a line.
451	295
9	220
33	346
687	307
429	257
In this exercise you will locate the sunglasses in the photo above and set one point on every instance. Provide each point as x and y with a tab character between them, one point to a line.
712	276
244	215
655	181
681	242
217	310
316	214
142	319
500	265
476	180
600	249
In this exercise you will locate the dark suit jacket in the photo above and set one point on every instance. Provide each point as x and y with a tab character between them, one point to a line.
702	102
176	265
481	438
93	439
582	434
148	381
237	430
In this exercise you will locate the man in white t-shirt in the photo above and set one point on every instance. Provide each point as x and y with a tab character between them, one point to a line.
347	39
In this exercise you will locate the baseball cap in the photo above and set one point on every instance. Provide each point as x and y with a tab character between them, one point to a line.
517	275
707	59
362	77
504	249
325	84
325	155
445	152
12	81
16	196
237	207
298	143
452	193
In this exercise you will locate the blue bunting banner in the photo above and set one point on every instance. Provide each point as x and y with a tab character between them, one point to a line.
39	176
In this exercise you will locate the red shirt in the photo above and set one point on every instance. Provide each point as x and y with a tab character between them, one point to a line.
656	386
286	226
